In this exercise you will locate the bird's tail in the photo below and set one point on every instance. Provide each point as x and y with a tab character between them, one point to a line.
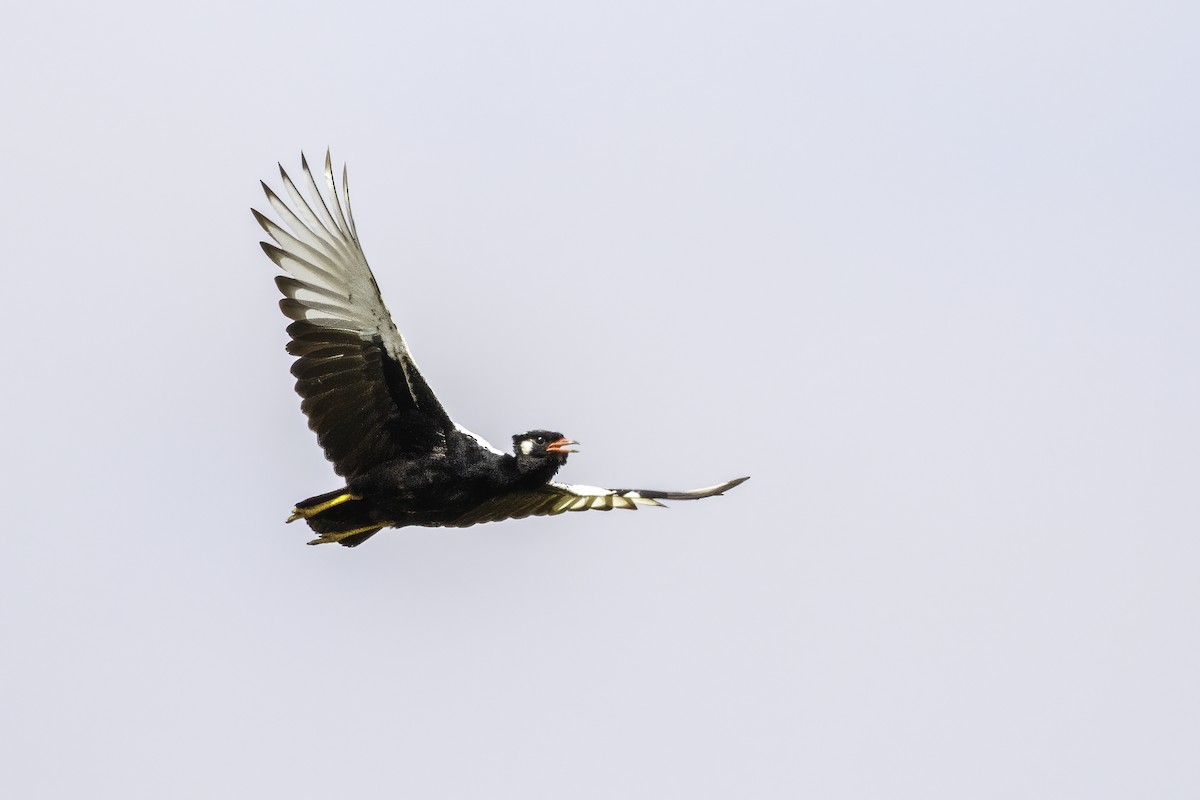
338	516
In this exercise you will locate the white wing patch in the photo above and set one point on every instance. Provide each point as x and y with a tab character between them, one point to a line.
484	443
582	489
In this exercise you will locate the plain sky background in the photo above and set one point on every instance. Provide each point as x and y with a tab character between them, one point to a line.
928	272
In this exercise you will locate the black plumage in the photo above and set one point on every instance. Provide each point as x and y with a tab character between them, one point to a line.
404	460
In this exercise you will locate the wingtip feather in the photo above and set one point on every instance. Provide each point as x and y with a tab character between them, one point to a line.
262	219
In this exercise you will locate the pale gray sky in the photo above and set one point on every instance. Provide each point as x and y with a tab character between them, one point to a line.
927	272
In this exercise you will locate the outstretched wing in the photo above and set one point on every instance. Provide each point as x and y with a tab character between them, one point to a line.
558	498
362	392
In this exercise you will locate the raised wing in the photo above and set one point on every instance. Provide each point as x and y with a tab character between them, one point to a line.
362	392
558	498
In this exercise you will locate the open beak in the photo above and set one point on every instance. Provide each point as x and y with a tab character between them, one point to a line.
561	445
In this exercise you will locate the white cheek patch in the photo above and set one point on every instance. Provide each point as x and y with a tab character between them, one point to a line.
527	446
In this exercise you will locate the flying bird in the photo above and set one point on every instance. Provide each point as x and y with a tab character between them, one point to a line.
404	460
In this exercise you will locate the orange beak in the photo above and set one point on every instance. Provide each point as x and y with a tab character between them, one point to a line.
561	445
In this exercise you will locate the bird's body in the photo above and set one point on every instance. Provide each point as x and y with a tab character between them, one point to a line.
404	460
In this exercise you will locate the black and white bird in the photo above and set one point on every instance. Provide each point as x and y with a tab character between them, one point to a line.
404	460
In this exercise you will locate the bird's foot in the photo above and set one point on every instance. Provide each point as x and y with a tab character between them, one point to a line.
309	512
330	538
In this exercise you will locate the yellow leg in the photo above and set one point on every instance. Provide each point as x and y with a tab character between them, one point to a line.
330	538
312	511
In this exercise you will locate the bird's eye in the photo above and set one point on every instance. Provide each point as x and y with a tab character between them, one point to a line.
540	440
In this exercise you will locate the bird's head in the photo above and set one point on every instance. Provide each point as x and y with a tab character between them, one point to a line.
542	446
